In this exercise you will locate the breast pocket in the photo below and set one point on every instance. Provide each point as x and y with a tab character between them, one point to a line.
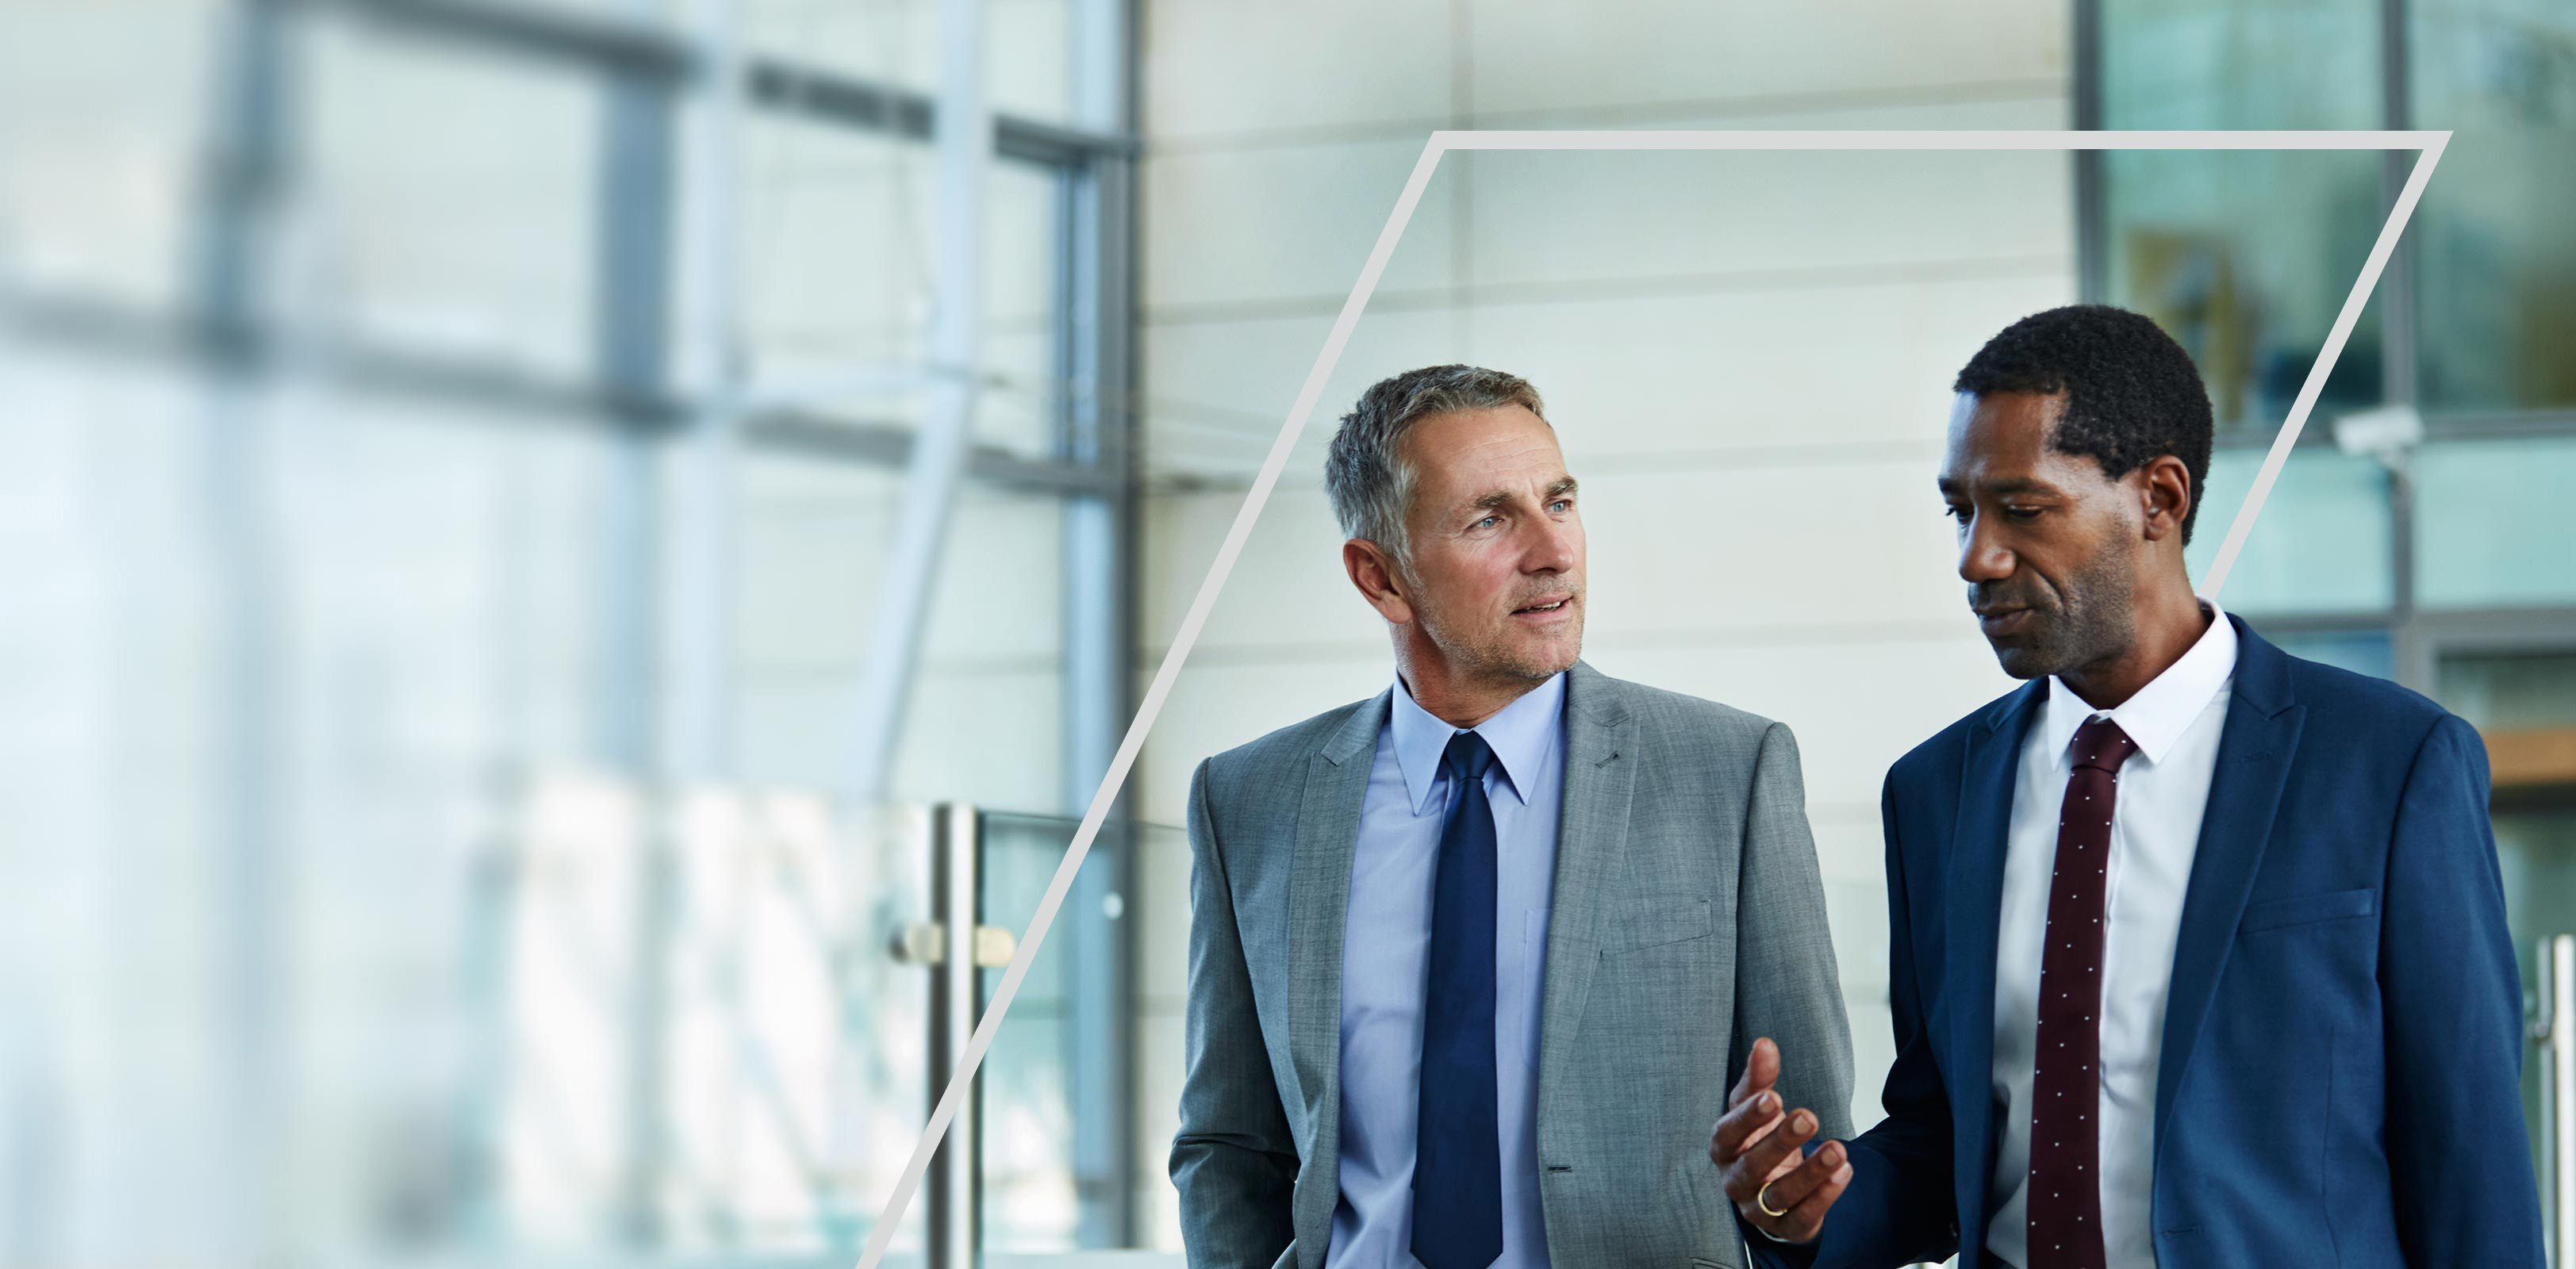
2308	909
1658	922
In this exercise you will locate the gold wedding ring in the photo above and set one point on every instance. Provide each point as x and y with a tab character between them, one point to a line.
1762	1199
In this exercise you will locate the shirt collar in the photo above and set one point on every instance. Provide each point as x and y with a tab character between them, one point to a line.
2160	712
1521	734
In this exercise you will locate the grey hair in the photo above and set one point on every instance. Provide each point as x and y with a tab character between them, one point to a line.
1365	474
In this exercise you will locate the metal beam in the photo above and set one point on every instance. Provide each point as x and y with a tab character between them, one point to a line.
126	332
1095	363
2092	217
230	292
621	45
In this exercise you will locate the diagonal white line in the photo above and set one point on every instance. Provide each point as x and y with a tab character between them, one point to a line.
2430	143
1897	139
2243	526
1116	777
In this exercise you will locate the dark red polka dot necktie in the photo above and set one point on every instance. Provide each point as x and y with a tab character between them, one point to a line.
2065	1195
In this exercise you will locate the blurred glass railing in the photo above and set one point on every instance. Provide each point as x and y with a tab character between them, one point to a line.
592	1020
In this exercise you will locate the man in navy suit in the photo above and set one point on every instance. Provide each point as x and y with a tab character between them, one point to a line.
2197	949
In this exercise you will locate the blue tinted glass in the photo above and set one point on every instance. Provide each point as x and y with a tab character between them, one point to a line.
2360	651
2497	261
2245	257
2494	527
2322	541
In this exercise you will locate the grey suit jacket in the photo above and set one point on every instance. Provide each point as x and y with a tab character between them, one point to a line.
1688	919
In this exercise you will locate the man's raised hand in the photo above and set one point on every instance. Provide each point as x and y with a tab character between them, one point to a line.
1756	1147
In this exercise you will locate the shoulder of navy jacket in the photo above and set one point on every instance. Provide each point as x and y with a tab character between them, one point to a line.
2262	679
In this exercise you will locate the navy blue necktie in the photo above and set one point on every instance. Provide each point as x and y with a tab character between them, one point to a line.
1457	1163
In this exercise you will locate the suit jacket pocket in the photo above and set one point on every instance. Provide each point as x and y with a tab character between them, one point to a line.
2308	909
1655	923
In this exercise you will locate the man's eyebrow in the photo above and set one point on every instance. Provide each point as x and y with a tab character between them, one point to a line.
2006	486
1494	499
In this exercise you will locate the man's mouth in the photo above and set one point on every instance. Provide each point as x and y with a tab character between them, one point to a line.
2000	621
1541	610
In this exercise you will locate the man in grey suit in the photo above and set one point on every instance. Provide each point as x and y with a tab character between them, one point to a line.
1472	960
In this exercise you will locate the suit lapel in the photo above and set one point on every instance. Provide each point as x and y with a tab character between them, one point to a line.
1600	774
2254	754
1319	893
1977	846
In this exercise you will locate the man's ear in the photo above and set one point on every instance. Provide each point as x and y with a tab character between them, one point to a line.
2166	490
1374	572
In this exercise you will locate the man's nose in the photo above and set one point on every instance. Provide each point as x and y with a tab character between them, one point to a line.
1981	557
1554	549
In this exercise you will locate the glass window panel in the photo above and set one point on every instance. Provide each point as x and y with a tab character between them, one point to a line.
2321	545
834	256
1028	46
1046	1131
2498	288
102	116
451	201
2245	256
2240	63
2360	651
838	244
983	719
2492	523
2511	691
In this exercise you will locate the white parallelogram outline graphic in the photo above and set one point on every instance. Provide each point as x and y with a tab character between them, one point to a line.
2427	144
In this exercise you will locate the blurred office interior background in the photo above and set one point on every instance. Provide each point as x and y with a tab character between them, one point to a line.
546	540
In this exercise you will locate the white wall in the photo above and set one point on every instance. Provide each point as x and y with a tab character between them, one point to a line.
1747	359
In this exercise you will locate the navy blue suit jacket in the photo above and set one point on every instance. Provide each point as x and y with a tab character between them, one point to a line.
2340	1075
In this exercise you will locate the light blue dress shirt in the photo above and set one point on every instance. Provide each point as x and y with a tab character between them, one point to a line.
1386	938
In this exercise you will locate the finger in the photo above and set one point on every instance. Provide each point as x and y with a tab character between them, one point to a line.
1758	1160
1761	1070
1807	1219
1741	1125
1800	1176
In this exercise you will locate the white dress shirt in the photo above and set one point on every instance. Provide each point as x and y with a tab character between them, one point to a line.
1386	940
2163	789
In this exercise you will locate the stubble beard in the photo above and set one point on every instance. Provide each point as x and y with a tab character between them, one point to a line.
2095	624
1493	654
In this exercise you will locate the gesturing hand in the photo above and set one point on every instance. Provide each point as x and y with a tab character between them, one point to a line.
1756	1149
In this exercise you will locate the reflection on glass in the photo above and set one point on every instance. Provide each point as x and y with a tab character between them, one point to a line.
2525	706
1054	1133
2493	524
2498	262
2321	546
2245	257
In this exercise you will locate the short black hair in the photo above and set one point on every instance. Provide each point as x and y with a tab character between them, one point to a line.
2132	394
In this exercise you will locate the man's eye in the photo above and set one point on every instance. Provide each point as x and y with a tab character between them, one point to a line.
1562	504
1956	512
1488	520
2023	513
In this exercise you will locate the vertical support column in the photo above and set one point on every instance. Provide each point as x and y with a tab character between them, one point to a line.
631	318
2410	656
245	180
1097	429
953	1198
2092	223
